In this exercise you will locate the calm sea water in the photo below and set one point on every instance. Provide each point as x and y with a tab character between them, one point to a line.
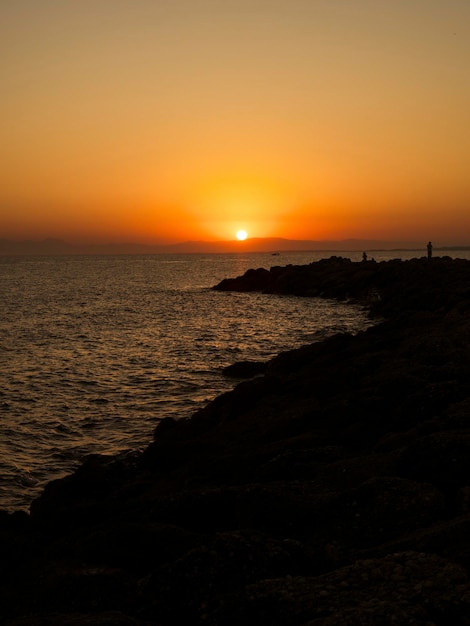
94	351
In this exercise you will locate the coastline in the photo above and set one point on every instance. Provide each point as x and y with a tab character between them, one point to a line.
332	487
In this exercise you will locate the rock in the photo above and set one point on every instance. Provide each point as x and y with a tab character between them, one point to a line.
187	590
105	618
403	588
441	458
244	369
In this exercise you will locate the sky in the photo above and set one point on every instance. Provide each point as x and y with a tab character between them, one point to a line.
165	121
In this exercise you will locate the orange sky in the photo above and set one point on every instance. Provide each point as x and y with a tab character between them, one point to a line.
161	122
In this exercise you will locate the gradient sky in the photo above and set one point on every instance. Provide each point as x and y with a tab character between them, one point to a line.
163	121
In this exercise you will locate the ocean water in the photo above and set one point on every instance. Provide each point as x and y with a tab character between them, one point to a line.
94	351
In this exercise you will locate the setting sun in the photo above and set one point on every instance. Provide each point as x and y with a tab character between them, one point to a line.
242	235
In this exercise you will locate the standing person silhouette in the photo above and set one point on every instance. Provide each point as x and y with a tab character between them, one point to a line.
429	246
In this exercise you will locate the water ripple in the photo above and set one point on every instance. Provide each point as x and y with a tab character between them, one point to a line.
96	350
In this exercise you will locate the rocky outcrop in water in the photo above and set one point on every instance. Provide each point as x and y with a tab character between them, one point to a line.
331	488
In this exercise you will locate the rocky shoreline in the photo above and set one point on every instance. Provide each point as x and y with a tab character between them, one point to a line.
332	486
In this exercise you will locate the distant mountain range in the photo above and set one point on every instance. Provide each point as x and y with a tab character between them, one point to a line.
60	247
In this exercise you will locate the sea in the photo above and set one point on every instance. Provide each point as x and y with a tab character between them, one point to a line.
96	350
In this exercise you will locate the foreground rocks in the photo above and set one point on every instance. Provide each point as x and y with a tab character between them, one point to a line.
331	488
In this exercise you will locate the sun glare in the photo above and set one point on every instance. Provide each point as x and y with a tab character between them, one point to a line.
242	235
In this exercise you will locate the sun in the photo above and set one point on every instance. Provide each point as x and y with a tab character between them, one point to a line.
241	235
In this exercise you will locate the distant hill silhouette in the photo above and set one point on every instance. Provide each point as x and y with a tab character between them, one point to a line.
277	244
271	244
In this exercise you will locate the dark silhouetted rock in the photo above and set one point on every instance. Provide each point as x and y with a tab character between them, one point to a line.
244	369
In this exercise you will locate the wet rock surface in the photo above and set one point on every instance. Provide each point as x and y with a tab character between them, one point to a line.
333	487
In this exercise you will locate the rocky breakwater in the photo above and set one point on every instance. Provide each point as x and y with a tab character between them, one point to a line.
331	488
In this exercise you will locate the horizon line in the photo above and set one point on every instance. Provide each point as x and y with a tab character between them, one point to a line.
274	245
